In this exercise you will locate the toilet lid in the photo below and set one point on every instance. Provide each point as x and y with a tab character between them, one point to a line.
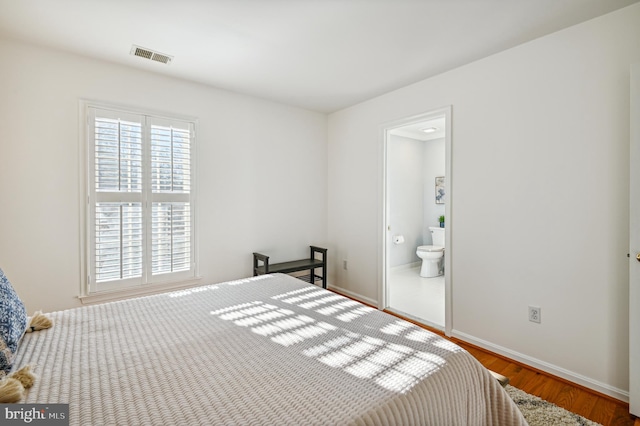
430	248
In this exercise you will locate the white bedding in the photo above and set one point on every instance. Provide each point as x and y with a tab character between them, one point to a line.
265	350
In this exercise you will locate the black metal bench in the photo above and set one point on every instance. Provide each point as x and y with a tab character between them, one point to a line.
311	264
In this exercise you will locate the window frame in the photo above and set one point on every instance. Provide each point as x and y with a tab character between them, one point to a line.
147	281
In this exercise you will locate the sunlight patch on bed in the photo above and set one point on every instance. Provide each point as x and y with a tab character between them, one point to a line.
323	301
294	292
337	359
396	328
272	315
396	381
193	290
447	345
299	335
247	280
306	296
330	310
327	346
235	307
282	325
420	335
364	369
393	366
245	312
386	357
418	366
360	349
350	316
321	298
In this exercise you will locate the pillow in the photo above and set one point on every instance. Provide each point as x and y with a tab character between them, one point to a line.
13	322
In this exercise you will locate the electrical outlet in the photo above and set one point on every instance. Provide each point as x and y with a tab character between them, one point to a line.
344	264
535	314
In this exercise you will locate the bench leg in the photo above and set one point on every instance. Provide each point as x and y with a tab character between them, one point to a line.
324	276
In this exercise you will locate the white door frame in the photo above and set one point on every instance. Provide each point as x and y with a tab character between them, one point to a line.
384	234
634	244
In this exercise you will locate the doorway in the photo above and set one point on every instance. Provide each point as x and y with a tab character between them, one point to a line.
634	246
417	194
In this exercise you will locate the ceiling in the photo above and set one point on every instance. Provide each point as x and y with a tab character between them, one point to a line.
423	131
323	55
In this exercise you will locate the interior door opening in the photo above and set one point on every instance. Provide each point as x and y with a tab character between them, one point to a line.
634	246
417	223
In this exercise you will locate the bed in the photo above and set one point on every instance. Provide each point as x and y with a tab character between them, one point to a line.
270	349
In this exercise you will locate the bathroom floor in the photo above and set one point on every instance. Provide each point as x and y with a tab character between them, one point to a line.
420	298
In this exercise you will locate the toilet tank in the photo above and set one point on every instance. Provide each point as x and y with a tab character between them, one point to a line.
437	236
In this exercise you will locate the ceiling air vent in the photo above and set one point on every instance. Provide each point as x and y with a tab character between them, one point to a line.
150	54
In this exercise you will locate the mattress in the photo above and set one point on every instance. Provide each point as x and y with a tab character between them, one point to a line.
265	350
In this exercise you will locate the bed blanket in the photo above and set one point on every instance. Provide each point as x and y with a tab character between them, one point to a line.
264	350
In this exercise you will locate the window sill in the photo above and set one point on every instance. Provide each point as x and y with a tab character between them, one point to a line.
111	296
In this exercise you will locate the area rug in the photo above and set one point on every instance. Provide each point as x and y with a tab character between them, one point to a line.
539	412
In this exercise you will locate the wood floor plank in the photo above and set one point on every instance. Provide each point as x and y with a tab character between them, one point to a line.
584	403
521	378
566	396
602	411
534	383
621	417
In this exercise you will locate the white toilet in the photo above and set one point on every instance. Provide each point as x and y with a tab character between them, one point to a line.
432	256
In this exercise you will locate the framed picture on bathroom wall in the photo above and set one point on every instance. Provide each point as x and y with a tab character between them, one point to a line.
440	190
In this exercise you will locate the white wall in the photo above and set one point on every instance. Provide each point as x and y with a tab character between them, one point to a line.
434	165
540	172
405	162
261	169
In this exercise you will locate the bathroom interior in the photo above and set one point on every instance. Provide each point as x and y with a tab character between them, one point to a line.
416	163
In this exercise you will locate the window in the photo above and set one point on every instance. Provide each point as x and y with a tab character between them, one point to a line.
141	206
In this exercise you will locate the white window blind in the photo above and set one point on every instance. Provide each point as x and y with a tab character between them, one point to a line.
140	199
119	238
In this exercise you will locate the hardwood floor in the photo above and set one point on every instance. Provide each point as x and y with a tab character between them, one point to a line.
596	407
590	404
575	398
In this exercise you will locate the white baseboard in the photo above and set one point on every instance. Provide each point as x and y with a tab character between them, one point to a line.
579	379
353	295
